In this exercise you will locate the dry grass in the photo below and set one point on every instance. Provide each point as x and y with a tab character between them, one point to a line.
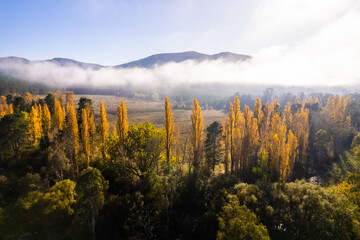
142	110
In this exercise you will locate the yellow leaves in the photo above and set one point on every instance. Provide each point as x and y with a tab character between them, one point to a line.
258	113
290	155
245	134
28	98
46	120
169	128
197	133
104	126
35	124
122	124
85	134
59	113
5	108
301	128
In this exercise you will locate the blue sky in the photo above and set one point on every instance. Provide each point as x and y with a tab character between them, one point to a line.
112	32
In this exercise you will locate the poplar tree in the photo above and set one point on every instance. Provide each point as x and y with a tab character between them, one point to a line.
92	133
231	136
169	129
301	129
122	124
85	135
104	127
46	120
73	128
197	134
35	130
237	136
259	115
59	115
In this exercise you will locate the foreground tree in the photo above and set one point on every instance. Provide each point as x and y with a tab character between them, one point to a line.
238	222
144	145
91	188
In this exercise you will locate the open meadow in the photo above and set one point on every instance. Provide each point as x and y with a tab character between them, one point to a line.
143	110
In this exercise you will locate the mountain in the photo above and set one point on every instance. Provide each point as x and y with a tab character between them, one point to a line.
159	59
149	62
64	62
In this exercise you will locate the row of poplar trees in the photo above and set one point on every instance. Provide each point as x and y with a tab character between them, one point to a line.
267	141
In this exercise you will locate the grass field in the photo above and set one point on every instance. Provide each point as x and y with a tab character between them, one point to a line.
142	110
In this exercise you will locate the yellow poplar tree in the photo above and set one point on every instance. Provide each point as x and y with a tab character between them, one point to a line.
122	124
231	136
92	132
85	135
46	120
104	126
59	115
74	131
169	128
197	134
237	136
288	161
259	114
35	125
301	129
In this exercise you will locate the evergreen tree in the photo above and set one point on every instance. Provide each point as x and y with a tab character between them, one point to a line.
212	144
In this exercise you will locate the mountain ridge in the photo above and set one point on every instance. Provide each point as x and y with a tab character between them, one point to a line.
147	62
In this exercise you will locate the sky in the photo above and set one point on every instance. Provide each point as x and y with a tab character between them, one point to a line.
302	40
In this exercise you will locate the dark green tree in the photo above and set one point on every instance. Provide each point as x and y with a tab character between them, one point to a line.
213	145
50	101
19	104
91	188
13	128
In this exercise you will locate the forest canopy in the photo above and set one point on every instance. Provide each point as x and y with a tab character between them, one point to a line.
273	169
